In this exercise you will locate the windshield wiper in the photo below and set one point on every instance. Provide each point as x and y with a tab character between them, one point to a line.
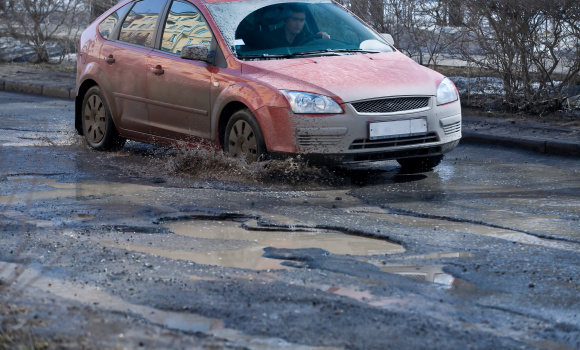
264	55
325	52
331	52
355	50
314	52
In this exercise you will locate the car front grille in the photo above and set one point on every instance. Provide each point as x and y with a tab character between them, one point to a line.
394	142
452	128
391	105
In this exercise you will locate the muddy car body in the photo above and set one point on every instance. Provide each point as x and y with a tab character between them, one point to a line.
206	73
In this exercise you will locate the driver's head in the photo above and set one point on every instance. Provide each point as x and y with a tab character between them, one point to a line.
295	22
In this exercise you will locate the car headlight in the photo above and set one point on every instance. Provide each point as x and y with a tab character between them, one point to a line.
307	103
446	92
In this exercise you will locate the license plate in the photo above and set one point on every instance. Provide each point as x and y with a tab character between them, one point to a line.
398	128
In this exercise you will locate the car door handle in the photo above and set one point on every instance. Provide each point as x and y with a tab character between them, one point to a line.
157	70
110	59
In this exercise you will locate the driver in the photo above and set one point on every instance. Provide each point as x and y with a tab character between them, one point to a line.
293	33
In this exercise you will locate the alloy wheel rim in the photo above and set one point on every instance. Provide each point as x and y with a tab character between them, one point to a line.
95	119
242	142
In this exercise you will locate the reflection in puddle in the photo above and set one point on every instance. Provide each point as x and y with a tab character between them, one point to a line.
231	245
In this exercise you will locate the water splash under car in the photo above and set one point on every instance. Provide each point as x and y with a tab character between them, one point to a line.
257	78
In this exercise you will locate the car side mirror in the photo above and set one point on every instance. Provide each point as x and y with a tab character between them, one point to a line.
198	52
388	38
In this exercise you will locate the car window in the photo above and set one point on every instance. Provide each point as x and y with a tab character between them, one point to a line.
139	25
184	26
107	26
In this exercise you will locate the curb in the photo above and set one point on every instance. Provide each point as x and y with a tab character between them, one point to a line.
45	90
561	148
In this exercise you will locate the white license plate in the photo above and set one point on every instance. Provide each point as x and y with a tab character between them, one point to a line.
398	128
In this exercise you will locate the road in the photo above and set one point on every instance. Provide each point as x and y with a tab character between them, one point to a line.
153	247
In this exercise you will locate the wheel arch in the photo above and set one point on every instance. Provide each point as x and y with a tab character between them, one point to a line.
82	90
225	115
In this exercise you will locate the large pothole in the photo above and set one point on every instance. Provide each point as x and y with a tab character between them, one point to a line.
230	244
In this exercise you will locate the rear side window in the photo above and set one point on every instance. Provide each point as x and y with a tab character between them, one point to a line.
108	25
139	25
184	26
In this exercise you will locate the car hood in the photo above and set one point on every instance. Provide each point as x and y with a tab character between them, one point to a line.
348	78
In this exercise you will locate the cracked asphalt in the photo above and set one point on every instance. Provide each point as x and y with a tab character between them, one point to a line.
152	247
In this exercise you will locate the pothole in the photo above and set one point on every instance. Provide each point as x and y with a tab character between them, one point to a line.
229	244
19	276
49	189
461	226
427	273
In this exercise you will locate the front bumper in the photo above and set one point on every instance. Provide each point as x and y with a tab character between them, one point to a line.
345	138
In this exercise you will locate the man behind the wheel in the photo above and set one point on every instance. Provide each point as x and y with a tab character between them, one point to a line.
293	32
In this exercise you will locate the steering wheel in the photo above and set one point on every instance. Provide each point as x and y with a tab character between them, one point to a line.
309	38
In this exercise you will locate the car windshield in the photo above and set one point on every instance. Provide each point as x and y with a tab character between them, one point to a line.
260	29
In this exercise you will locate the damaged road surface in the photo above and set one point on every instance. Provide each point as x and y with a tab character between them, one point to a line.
151	247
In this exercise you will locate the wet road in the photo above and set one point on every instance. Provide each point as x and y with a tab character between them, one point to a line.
194	248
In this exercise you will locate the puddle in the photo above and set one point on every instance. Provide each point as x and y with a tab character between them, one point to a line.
428	273
433	274
25	277
230	245
43	189
439	255
506	234
19	277
26	138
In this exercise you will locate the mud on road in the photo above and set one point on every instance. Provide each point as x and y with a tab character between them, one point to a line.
152	247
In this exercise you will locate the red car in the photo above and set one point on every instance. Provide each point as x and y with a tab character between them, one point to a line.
257	78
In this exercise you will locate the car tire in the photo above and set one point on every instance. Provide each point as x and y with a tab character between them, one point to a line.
420	164
243	137
98	127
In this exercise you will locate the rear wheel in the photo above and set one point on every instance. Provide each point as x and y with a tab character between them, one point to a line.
98	126
420	164
243	137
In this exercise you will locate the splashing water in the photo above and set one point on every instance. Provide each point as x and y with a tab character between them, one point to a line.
215	165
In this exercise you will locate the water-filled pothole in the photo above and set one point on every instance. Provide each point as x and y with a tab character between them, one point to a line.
469	227
427	273
19	277
36	189
229	244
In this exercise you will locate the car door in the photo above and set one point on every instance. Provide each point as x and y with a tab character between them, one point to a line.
178	90
125	64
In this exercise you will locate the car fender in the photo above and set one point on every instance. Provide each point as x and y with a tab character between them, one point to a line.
92	71
255	97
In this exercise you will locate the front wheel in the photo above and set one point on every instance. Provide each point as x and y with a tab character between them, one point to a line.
98	126
420	164
243	137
